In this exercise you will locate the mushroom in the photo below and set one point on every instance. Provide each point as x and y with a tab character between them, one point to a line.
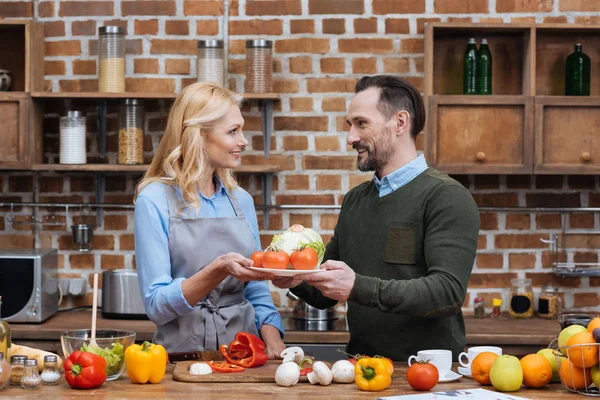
321	374
343	371
287	374
294	354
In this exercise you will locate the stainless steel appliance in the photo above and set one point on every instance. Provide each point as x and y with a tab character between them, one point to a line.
309	318
121	296
28	284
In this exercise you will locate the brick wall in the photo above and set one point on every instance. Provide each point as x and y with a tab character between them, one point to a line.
321	48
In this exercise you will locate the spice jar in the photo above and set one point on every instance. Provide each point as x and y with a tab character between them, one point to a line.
520	304
50	374
131	132
111	54
479	307
496	310
72	138
549	302
259	66
17	364
210	61
5	372
31	377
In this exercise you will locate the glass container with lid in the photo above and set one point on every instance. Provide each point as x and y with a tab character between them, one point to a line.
259	66
131	132
520	303
111	57
549	302
210	61
72	138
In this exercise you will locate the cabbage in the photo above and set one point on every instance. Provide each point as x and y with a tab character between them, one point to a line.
298	237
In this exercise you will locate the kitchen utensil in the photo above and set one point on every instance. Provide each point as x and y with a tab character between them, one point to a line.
94	309
442	359
474	352
304	311
287	272
567	319
105	338
264	373
450	377
121	296
83	234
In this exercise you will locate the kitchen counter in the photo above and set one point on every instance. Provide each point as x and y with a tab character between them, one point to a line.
170	389
516	336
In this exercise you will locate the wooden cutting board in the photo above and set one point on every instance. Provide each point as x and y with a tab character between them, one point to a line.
264	373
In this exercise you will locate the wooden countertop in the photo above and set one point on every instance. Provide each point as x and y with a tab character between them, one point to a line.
170	389
501	331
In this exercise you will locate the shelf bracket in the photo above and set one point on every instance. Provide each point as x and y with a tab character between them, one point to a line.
101	112
267	189
100	189
266	106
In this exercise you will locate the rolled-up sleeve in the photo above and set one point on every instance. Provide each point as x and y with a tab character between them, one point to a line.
162	295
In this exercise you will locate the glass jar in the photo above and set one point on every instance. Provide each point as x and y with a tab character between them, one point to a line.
259	66
5	371
50	374
497	308
5	339
72	138
549	302
131	132
31	377
520	303
210	61
17	364
111	56
479	307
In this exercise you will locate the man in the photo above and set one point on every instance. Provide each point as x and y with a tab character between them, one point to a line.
405	242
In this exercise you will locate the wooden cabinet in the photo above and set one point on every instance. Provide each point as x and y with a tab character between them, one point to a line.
14	129
527	125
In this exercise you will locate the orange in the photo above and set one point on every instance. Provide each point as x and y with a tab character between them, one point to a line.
584	352
574	377
537	371
595	323
482	365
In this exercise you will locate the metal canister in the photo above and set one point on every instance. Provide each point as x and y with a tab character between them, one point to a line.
259	66
111	56
210	61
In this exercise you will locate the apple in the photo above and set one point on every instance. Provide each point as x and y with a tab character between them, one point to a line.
596	376
566	334
506	374
551	355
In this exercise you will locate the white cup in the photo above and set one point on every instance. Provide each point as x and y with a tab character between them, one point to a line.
474	351
442	359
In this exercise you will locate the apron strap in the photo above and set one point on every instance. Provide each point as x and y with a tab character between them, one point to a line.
218	328
235	205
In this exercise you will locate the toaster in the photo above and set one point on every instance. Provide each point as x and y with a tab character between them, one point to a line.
121	296
28	284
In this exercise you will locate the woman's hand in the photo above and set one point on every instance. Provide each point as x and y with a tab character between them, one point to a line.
287	282
272	339
237	265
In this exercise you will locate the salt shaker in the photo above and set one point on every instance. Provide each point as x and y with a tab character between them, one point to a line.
50	374
31	377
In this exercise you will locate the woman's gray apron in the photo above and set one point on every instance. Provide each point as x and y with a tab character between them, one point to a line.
193	244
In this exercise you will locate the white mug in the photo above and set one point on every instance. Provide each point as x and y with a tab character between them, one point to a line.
442	359
474	351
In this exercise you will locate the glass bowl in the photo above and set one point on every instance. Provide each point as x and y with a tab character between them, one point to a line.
74	340
568	319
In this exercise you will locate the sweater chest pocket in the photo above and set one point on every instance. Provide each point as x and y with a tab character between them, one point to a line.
400	243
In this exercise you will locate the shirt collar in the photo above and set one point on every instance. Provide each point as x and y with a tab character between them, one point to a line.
402	175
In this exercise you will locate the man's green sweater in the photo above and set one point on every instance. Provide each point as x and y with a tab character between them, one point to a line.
412	251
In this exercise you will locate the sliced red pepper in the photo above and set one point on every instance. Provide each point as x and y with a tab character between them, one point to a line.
225	367
305	371
246	350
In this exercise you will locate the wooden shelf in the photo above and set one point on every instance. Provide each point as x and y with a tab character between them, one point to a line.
134	95
242	169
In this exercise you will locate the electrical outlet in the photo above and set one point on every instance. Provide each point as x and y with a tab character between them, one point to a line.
77	287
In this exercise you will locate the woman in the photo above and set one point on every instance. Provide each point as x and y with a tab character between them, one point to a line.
195	229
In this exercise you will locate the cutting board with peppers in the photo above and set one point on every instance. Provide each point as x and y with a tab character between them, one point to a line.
264	373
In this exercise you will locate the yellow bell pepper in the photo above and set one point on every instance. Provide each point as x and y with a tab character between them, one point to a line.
146	362
373	374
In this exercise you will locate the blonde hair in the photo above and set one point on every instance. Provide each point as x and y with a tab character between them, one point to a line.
180	159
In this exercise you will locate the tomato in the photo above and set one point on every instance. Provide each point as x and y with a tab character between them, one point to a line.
275	260
304	259
257	257
422	376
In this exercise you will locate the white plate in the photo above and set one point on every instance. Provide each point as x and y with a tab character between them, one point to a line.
287	272
450	376
465	372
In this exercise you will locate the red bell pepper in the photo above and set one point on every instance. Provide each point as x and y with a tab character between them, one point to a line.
246	350
85	370
225	367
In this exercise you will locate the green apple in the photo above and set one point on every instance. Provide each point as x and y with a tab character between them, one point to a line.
549	354
566	334
596	376
506	374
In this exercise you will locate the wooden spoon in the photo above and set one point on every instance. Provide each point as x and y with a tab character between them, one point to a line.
94	309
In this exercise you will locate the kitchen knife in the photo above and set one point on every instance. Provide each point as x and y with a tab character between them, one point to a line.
196	355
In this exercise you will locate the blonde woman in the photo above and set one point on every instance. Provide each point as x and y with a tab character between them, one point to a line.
195	230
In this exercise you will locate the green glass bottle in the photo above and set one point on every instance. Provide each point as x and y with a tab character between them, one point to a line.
470	68
577	73
484	69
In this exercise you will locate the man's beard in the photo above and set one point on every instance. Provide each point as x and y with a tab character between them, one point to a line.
378	155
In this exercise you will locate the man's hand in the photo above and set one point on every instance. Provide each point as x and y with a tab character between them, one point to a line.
287	282
336	282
